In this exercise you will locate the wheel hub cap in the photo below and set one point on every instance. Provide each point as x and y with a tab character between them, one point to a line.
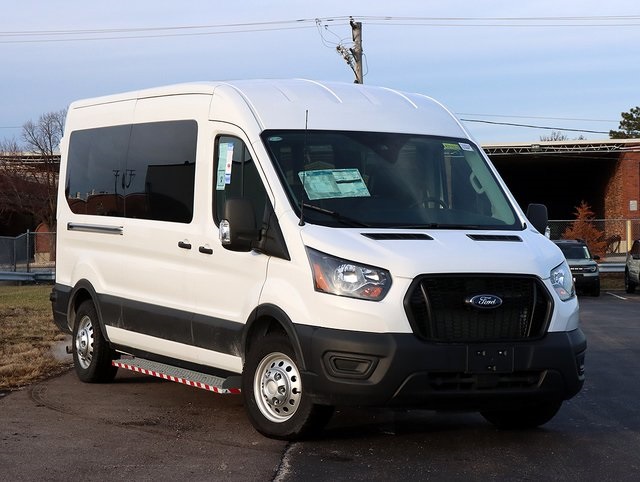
275	386
278	387
84	342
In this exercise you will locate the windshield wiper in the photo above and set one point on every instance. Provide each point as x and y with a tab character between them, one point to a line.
339	217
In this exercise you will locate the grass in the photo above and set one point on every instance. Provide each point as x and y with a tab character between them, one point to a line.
27	333
611	281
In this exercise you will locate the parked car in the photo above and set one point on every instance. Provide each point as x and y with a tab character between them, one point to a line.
632	268
584	267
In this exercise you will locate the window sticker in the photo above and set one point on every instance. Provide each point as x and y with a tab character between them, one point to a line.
333	183
225	163
466	147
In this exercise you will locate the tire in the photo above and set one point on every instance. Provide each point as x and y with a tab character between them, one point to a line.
275	400
629	286
91	353
524	417
596	290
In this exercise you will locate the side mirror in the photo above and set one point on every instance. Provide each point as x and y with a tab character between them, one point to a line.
538	217
238	230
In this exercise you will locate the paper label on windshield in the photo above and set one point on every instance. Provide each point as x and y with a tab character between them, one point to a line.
225	162
466	146
333	183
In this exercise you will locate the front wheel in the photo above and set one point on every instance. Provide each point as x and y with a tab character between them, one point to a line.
523	417
91	353
629	287
273	394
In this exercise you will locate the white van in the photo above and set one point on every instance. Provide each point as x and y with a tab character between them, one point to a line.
311	245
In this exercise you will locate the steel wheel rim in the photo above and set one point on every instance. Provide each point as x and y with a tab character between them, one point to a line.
84	342
277	387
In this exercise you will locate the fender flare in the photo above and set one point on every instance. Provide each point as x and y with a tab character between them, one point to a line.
257	325
85	286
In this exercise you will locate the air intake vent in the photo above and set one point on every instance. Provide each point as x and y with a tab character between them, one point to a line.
398	236
495	237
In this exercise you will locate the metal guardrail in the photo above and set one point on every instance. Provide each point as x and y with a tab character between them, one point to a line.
611	267
37	276
28	257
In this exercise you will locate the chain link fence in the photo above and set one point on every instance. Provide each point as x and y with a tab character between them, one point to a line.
31	253
617	234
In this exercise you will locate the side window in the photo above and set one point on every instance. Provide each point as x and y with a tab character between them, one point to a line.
137	171
237	177
95	162
160	173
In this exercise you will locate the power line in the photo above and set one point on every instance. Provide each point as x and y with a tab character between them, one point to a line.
574	119
534	126
122	33
548	21
276	23
149	29
145	36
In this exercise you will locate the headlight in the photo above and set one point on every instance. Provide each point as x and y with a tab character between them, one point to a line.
562	281
346	278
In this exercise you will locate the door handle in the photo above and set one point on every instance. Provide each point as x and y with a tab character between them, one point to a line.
205	250
184	244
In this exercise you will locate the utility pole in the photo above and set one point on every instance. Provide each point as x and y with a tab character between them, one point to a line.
353	56
356	51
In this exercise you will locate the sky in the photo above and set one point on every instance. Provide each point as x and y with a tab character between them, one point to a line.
566	65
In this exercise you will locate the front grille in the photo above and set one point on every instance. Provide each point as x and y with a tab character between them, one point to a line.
583	269
437	309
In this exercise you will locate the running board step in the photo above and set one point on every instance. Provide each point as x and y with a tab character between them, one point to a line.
179	375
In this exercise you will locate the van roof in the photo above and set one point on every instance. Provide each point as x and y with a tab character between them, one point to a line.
287	104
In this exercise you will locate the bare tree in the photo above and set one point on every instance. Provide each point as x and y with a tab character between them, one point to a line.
555	136
559	136
29	174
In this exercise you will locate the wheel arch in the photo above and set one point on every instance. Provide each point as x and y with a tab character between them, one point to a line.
81	292
267	319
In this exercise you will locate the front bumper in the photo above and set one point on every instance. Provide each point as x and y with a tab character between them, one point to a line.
59	298
354	368
586	280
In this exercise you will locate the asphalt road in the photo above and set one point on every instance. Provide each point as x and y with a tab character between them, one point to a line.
141	428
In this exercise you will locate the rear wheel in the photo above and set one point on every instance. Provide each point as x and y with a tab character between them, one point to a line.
91	353
274	397
524	417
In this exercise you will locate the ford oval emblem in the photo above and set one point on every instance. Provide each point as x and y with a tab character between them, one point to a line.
484	302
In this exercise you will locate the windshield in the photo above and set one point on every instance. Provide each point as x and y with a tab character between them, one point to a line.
388	180
575	252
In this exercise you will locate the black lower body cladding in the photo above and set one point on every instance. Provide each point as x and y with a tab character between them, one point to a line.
354	368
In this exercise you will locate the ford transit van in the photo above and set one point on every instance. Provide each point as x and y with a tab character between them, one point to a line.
308	245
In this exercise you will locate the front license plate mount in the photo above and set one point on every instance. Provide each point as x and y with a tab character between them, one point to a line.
490	359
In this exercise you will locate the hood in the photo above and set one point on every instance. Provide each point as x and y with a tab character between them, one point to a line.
408	253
